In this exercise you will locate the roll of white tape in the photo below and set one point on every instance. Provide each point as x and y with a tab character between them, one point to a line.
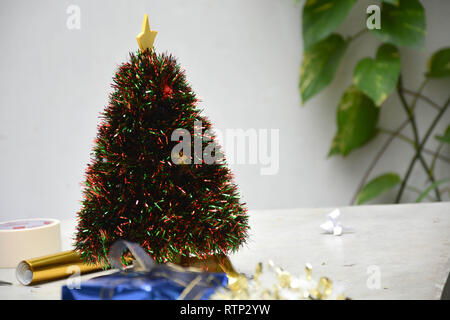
26	239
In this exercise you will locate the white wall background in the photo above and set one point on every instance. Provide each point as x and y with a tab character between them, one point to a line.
242	58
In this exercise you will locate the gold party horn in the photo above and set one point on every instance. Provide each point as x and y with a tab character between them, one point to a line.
52	267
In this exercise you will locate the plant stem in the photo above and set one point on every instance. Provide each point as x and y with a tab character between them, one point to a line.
357	34
408	173
416	96
410	112
401	136
383	149
419	192
420	147
424	98
376	159
436	155
434	185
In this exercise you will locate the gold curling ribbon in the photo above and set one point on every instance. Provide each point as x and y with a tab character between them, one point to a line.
214	263
52	267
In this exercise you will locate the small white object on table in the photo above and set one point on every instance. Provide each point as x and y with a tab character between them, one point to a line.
395	251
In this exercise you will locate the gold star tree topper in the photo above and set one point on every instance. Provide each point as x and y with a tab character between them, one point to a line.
146	38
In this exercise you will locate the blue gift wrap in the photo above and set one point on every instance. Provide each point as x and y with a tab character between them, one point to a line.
147	286
155	282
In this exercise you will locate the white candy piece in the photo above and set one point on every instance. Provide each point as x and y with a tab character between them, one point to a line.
333	226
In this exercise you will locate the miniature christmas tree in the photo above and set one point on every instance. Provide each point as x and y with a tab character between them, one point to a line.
137	188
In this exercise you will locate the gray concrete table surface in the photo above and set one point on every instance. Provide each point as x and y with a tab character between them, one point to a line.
407	245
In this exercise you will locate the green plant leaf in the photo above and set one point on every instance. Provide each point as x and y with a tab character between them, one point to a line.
431	188
334	149
439	64
319	65
378	186
377	78
393	2
402	25
357	118
445	138
321	18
